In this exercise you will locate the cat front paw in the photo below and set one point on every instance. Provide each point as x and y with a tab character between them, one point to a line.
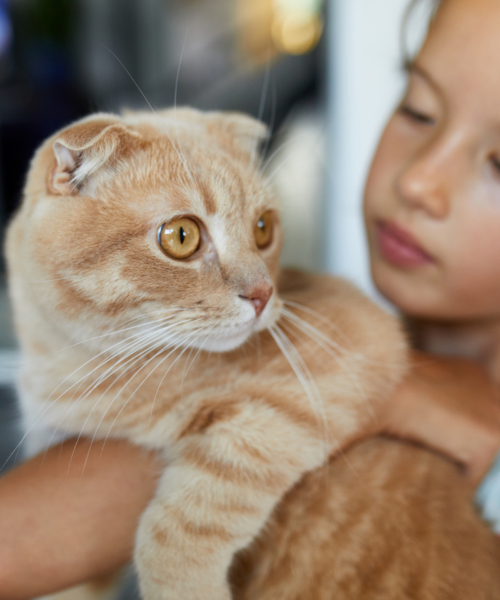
190	591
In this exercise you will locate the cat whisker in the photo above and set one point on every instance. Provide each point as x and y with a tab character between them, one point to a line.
181	158
138	338
133	359
186	368
326	344
157	334
175	312
46	404
263	97
162	349
303	375
114	331
131	351
202	346
338	448
45	280
271	122
160	384
97	356
179	70
129	74
266	164
181	154
278	168
131	346
44	408
329	441
103	416
355	355
320	317
176	347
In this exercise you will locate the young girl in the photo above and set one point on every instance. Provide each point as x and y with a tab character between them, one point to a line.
432	216
432	202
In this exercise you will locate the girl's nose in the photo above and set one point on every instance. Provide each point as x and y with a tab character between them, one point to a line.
427	181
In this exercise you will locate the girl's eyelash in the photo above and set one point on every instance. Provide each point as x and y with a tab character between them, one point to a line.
415	115
496	163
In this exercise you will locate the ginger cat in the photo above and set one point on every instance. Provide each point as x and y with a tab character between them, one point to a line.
143	258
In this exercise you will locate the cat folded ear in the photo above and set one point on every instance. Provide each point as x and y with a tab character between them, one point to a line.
84	149
247	132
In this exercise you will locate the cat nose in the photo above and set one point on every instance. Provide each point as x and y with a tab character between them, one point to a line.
259	297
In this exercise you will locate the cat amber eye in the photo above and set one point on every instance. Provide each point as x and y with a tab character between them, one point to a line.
264	230
179	238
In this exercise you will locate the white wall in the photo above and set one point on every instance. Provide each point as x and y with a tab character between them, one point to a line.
365	82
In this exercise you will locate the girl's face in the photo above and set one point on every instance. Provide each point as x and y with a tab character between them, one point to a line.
432	201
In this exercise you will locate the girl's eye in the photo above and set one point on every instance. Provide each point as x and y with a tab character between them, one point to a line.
263	230
416	115
179	238
496	164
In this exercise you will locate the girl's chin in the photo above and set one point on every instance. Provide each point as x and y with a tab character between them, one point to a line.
405	294
421	293
424	303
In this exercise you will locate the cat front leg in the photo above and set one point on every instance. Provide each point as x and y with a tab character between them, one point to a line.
180	550
215	497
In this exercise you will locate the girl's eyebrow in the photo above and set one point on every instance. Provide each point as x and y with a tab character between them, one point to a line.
410	66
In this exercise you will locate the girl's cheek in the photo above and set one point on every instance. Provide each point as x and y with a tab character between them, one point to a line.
386	164
374	188
470	251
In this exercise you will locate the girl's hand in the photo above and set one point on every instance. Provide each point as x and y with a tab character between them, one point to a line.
451	405
70	515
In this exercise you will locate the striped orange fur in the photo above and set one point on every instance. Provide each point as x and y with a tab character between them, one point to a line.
119	339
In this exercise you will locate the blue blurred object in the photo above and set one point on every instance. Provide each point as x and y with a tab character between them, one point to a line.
488	496
47	63
5	28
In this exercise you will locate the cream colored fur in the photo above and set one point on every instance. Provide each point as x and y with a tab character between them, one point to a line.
237	429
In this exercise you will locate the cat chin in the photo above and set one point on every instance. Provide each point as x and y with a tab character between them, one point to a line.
225	343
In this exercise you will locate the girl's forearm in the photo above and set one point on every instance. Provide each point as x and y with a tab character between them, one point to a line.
451	405
62	524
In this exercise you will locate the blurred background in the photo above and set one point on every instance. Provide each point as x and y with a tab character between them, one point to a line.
324	74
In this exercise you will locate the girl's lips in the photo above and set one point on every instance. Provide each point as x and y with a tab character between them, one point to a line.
399	248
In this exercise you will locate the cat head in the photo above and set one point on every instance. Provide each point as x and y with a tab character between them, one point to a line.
156	221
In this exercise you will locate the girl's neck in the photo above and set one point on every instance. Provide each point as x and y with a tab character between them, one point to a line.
477	340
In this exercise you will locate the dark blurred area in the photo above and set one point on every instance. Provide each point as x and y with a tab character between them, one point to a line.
61	59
